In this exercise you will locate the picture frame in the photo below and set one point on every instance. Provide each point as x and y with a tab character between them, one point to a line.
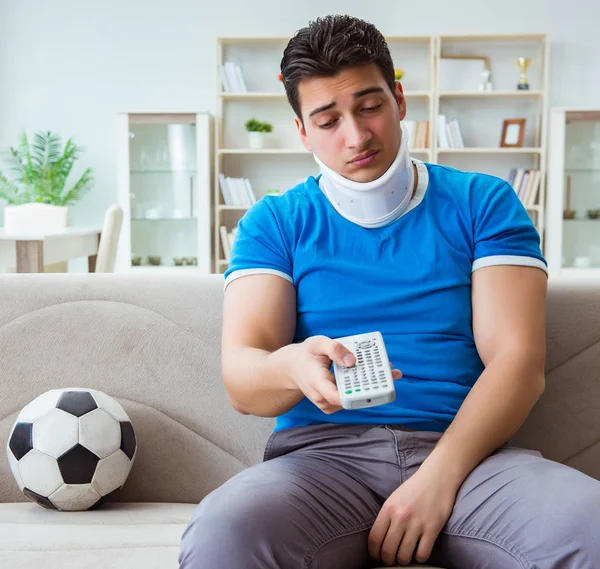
513	132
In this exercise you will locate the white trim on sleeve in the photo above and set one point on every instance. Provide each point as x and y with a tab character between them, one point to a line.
245	272
509	260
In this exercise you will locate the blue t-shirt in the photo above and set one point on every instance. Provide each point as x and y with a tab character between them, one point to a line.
410	280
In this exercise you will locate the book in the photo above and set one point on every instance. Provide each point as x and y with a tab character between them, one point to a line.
224	80
225	192
518	178
225	242
250	192
523	184
531	191
443	141
411	127
241	79
242	192
232	77
457	134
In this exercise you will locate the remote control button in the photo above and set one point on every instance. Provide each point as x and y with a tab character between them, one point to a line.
348	391
364	344
358	389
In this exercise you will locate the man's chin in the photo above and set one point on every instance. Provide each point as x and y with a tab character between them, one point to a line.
364	175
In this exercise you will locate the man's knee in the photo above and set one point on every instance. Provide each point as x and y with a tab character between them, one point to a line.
233	526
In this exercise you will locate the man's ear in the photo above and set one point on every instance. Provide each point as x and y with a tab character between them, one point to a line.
399	96
302	133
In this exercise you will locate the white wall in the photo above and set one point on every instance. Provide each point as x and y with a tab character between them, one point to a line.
70	66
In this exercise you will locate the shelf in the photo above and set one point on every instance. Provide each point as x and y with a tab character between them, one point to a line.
165	269
529	150
162	171
593	272
408	39
254	40
579	170
234	207
582	219
264	151
164	218
279	40
492	37
251	95
282	95
490	94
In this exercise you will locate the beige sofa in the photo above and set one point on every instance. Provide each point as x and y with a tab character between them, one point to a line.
153	343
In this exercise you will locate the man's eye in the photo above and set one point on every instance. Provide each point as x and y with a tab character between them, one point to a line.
328	124
371	109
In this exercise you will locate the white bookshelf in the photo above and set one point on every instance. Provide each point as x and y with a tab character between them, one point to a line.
286	161
481	113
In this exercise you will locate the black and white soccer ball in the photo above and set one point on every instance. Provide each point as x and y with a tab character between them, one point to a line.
70	448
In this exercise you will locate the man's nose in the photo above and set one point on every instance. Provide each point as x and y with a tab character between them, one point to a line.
357	135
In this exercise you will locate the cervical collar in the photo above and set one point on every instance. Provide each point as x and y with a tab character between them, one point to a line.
377	203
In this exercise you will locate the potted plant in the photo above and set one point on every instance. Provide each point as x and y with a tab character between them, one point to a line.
257	131
35	185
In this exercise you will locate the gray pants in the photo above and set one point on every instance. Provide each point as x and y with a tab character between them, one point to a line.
312	502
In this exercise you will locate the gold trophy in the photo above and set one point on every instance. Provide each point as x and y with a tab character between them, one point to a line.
523	63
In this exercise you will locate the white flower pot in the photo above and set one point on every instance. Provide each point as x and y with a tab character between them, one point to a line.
37	218
256	140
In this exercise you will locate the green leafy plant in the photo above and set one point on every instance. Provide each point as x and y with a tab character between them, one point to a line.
253	125
38	172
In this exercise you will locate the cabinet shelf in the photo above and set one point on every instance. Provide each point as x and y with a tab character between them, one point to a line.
490	95
265	151
226	96
234	207
474	150
160	219
571	243
150	171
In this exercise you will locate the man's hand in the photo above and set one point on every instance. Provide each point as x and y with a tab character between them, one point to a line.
411	519
309	369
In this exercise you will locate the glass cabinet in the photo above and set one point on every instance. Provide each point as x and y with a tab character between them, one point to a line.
573	231
165	181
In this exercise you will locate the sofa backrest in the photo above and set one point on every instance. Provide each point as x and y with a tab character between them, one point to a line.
153	343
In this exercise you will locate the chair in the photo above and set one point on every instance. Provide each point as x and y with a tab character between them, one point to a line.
107	248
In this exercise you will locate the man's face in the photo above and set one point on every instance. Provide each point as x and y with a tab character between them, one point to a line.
352	121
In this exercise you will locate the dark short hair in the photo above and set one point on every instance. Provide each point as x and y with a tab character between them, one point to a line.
329	44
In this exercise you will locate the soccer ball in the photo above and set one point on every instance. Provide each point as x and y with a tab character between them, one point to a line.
70	448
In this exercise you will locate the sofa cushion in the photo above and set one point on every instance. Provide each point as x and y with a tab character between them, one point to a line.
115	535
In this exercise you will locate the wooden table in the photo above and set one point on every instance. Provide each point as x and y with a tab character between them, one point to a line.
29	252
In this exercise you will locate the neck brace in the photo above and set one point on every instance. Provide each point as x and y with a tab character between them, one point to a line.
377	203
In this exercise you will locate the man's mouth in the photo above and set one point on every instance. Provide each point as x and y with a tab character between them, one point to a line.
365	158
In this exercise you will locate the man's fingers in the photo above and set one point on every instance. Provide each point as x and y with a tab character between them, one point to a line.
408	545
330	392
391	542
396	373
336	352
377	535
425	547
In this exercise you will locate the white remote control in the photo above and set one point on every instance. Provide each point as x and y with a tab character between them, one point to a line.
369	382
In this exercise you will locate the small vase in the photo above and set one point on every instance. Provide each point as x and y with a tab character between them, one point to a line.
256	140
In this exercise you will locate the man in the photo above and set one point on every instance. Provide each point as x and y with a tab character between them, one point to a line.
447	266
